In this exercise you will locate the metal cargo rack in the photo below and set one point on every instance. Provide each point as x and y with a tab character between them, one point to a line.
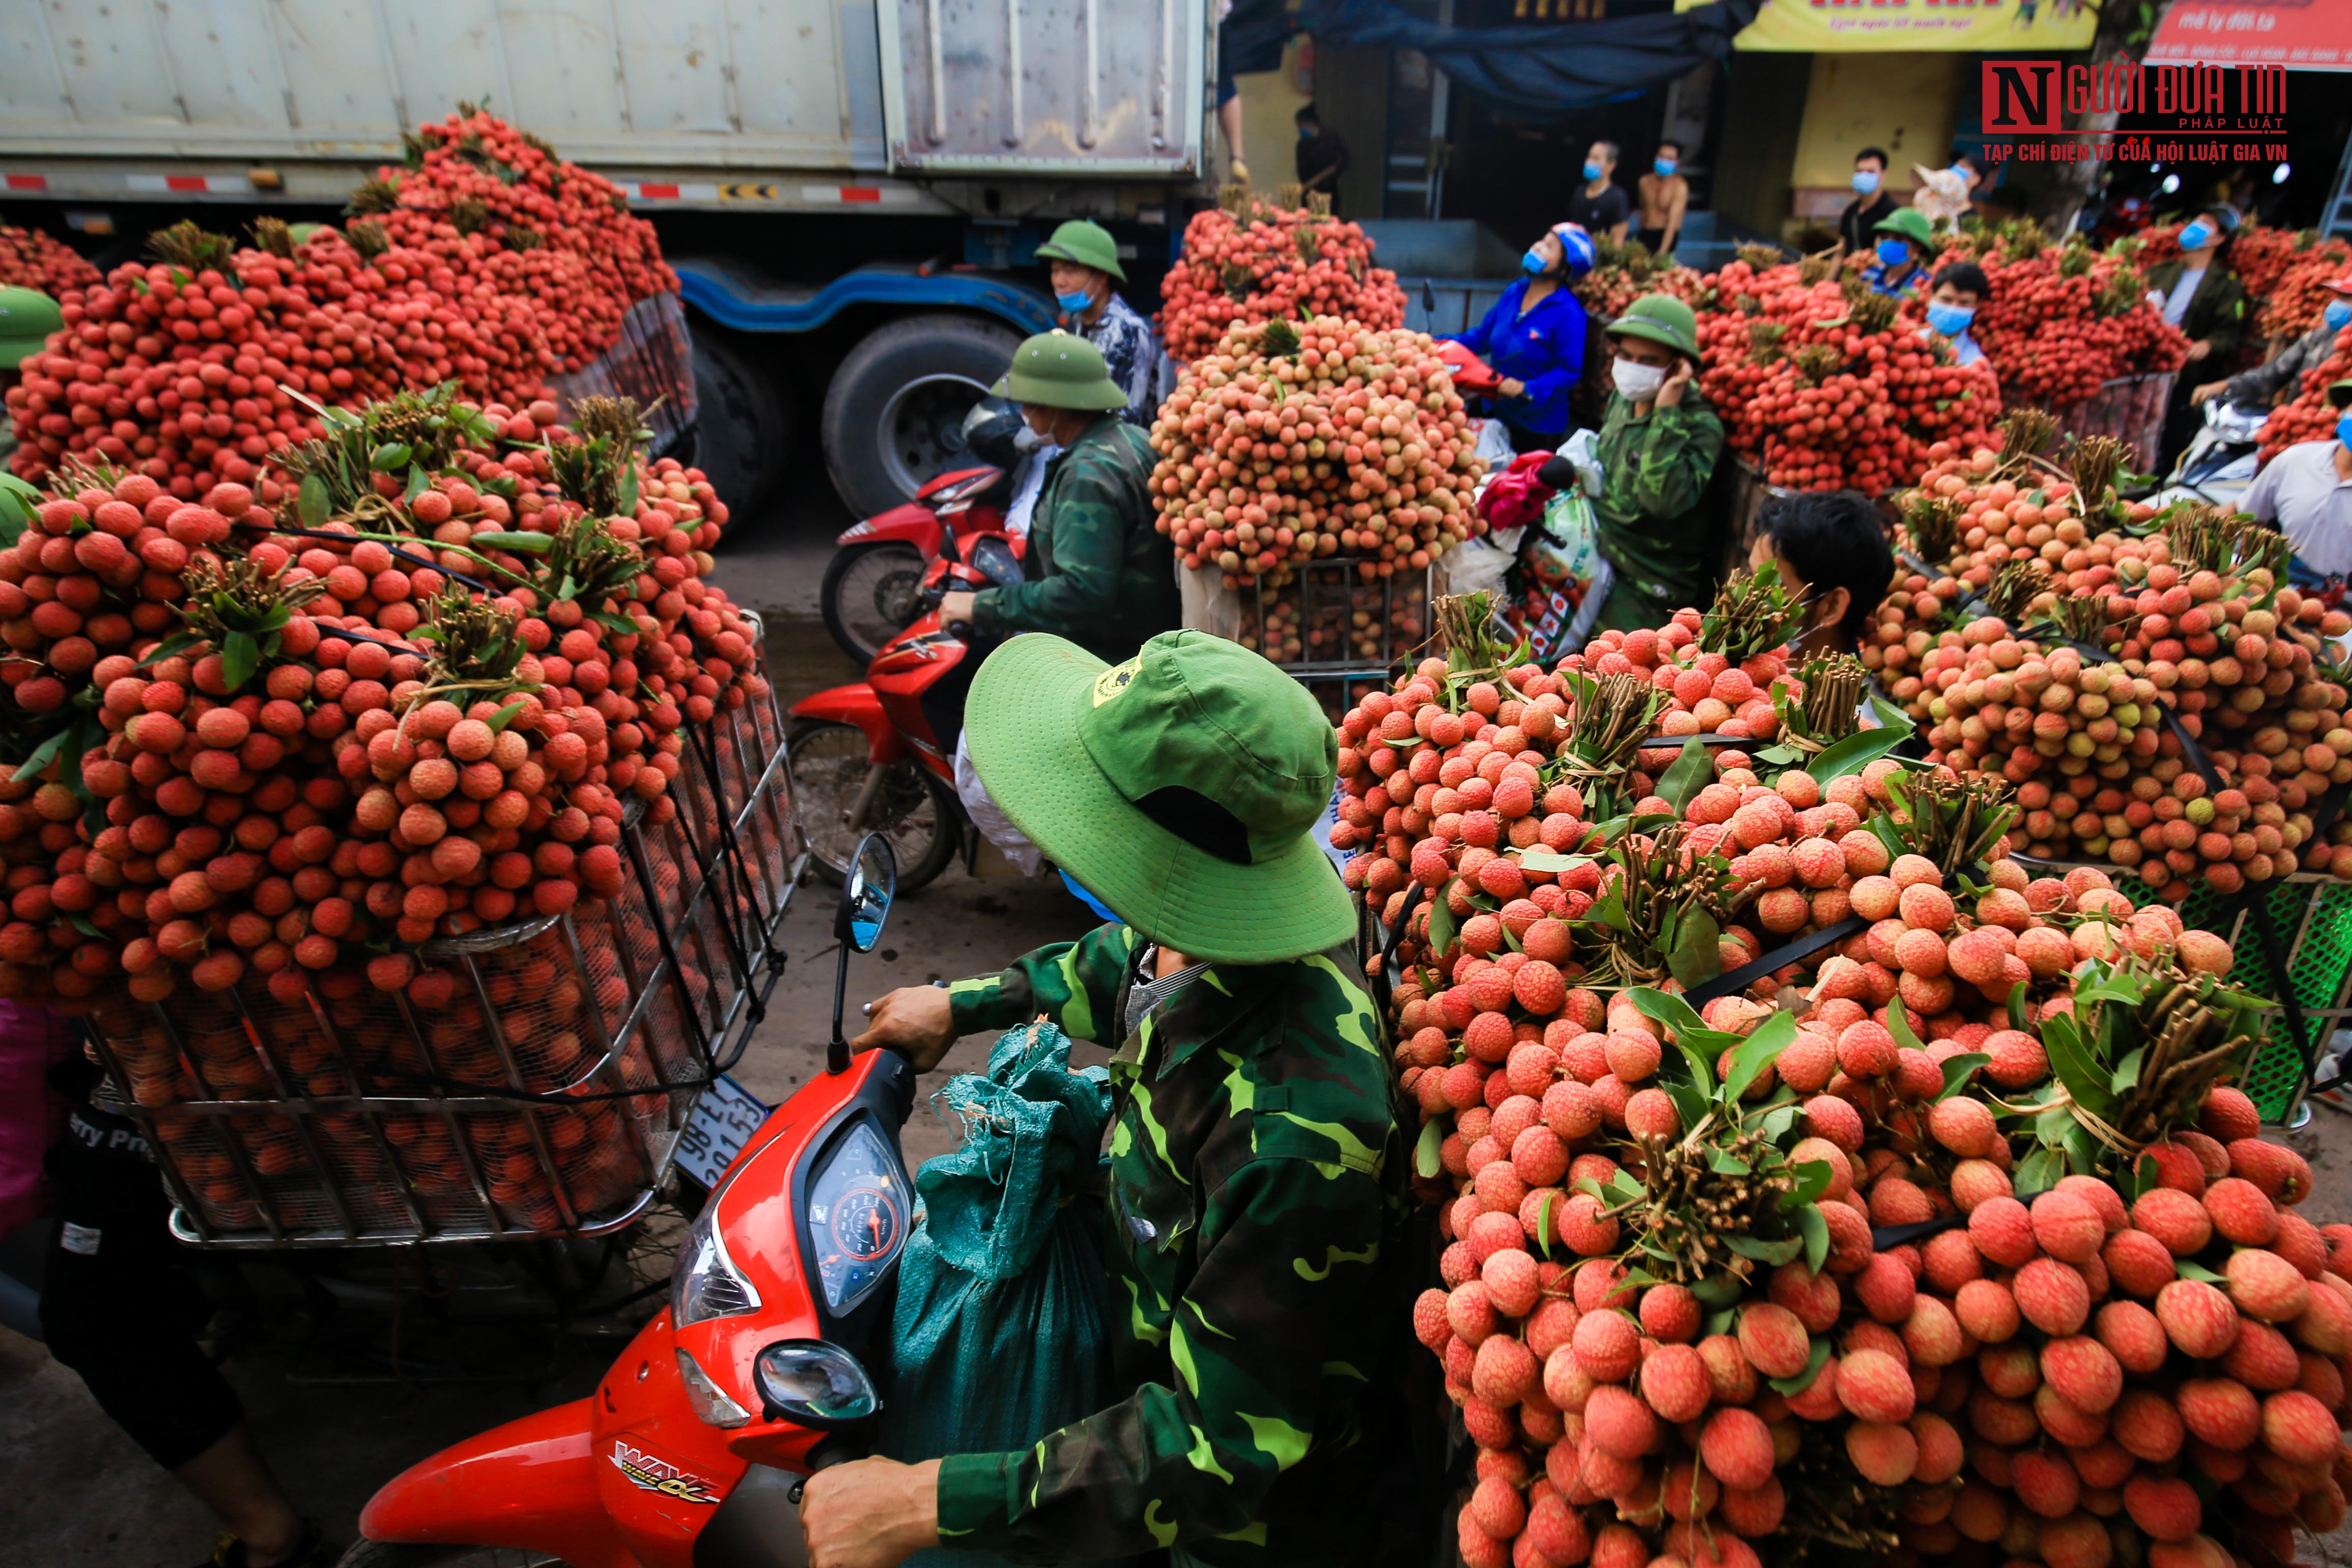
543	1096
1307	627
651	361
2131	409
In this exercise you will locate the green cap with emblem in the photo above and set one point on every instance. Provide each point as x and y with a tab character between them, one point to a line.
1087	244
27	317
1055	370
1183	788
1661	319
1911	223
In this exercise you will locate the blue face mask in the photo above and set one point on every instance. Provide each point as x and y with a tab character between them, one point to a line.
1079	891
1077	301
1591	170
2196	236
1307	134
1866	181
2344	429
2338	314
1894	252
1950	321
1662	165
1533	263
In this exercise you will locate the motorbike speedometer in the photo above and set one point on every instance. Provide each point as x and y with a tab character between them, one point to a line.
857	1218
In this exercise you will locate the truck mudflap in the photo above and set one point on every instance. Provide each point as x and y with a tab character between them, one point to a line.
530	1484
744	304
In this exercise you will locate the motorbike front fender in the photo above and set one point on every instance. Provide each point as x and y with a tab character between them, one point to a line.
856	704
908	524
530	1484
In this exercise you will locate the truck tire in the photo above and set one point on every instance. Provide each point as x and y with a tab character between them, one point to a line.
743	419
893	412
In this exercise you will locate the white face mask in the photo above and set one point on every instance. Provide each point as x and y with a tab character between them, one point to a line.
1639	383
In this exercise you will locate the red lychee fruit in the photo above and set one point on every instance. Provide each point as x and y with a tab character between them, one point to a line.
1827	1116
2133	1334
2241	1212
1737	1448
2148	1426
2284	1175
1618	1423
1675	1383
1874	1386
1728	1368
2067	1228
2266	1285
1964	1126
1753	1514
2045	1483
2300	1429
2220	1411
2082	1371
2229	1114
1885	1288
1511	1283
2263	1359
2197	1317
1606	1345
2175	1218
2100	1196
2053	1296
1503	1371
1931	1334
2137	1263
1882	1455
2164	1507
1775	1344
1987	1311
2002	1229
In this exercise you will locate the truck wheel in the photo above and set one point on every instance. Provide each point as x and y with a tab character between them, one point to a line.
894	413
743	419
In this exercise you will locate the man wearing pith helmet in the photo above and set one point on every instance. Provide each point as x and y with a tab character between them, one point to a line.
1082	262
1256	1161
1096	570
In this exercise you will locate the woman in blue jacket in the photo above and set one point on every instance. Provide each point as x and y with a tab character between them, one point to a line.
1534	338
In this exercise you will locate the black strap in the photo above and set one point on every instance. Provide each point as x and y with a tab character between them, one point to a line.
1747	975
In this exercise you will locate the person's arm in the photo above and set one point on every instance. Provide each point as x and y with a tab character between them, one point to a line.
1568	356
1673	459
2267	380
1625	213
1090	537
1287	1248
1075	984
1479	339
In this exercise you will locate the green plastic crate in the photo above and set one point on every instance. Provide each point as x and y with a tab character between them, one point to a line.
2314	918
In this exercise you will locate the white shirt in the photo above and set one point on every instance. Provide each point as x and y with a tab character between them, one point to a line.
2176	304
2310	501
1965	350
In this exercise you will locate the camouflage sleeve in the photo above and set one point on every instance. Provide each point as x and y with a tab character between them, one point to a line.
1288	1248
2267	380
1075	984
1672	461
1091	510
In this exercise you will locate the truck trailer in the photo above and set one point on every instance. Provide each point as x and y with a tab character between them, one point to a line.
850	190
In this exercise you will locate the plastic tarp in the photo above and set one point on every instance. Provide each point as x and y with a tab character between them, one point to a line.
1537	73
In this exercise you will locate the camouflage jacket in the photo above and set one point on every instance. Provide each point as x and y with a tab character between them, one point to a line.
1254	1170
1096	572
1656	527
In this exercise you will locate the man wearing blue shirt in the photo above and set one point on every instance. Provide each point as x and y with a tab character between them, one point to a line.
1534	339
1959	289
1904	246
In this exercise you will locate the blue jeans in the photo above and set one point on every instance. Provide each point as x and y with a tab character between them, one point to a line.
2299	575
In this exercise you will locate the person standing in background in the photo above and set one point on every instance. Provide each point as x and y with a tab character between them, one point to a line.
1322	156
2196	292
1534	339
1858	225
1665	197
1082	262
1229	98
1599	207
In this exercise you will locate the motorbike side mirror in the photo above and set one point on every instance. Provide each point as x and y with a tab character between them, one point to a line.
865	898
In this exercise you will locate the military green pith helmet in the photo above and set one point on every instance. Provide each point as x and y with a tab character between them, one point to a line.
2339	393
1911	223
1055	370
1087	244
1183	788
27	317
1661	319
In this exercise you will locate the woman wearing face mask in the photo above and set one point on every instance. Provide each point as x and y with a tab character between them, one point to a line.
1831	549
1534	338
1658	446
2196	292
2264	386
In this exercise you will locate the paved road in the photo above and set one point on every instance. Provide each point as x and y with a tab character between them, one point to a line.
80	1492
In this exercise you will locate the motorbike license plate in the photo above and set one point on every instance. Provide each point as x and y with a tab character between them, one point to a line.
725	1116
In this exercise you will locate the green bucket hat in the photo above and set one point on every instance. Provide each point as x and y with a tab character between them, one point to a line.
1661	319
27	317
1911	223
2339	393
1087	244
1183	788
1055	370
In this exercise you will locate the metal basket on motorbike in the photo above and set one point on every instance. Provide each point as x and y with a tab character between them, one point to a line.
534	1083
2131	409
651	361
1331	628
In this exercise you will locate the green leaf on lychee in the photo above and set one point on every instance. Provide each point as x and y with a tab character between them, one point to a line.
2189	1268
1691	772
1899	1023
1696	956
1442	926
2037	1172
1718	1290
1957	1071
1425	1160
1813	1177
1757	1052
1774	1253
2127	1073
1814	1364
1541	859
1543	1220
1815	1228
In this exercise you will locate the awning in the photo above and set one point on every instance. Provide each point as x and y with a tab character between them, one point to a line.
1916	27
2301	35
1540	72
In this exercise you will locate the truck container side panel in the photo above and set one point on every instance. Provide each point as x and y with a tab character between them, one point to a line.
566	66
861	70
32	93
340	78
676	68
227	73
112	62
448	52
788	83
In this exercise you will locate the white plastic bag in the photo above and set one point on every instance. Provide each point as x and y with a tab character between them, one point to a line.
990	818
1494	445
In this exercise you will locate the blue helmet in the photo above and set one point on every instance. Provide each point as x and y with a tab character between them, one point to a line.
1578	252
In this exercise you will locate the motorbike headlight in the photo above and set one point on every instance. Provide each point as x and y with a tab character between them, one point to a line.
705	1283
709	1401
815	1383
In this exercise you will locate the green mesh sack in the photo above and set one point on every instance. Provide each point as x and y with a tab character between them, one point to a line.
1003	1330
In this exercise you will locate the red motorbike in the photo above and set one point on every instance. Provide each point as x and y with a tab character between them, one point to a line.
691	1452
878	755
871	583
